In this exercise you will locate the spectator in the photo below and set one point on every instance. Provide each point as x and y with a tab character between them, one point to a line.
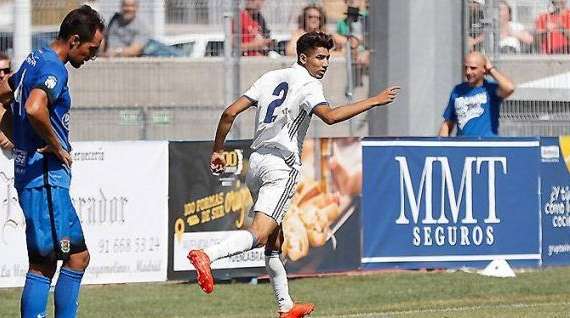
354	28
5	70
474	105
358	25
475	25
255	35
126	35
313	19
513	34
553	29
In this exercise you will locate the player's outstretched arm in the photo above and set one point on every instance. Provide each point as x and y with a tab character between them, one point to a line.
337	114
38	115
217	163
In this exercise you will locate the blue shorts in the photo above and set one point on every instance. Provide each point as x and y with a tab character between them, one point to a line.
50	217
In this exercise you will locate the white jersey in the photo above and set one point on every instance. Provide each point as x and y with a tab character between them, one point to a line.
285	100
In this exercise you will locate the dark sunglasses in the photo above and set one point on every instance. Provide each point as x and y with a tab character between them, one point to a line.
5	70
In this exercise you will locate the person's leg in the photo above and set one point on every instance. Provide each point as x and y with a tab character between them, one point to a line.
271	182
66	295
237	242
278	277
273	262
73	250
276	271
240	241
36	289
42	261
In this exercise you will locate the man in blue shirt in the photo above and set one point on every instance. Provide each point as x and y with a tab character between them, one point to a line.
40	133
474	105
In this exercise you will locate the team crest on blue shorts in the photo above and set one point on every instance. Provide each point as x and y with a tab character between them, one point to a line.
65	246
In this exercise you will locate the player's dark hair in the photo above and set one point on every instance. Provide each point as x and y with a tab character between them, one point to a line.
83	21
312	40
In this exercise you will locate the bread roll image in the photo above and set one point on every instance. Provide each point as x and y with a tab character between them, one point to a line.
296	242
310	189
316	224
326	203
313	201
318	235
293	210
329	198
307	223
332	211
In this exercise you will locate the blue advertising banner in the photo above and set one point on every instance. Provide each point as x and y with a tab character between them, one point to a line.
555	203
430	202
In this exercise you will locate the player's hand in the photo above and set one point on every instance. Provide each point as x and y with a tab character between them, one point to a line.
60	153
217	163
388	95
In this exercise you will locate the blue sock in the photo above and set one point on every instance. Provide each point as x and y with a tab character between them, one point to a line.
67	293
34	296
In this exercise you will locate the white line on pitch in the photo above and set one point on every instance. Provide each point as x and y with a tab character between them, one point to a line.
442	310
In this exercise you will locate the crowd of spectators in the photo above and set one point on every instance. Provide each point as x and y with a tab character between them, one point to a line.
256	37
514	26
548	34
127	36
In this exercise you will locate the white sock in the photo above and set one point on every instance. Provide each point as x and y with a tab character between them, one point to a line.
237	242
278	278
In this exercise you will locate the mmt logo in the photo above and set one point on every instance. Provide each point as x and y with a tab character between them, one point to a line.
452	226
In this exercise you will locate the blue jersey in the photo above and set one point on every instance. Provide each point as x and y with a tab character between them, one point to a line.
474	109
43	70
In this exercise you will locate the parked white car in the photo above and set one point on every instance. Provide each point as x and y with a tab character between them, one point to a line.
211	44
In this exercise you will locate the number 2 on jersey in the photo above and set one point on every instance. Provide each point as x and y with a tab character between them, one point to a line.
281	88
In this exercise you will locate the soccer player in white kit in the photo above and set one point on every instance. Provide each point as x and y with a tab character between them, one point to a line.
285	100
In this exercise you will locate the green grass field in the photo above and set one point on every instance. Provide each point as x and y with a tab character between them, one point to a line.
544	293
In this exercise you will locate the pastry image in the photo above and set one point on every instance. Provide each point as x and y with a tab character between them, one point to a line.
296	243
308	222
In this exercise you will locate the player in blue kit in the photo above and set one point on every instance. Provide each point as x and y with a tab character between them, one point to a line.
40	117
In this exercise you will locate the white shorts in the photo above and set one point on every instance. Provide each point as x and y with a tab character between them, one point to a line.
272	183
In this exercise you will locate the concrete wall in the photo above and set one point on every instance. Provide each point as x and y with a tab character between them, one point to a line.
529	68
417	45
116	99
179	82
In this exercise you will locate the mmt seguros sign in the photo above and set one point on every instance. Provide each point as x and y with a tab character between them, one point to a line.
451	201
